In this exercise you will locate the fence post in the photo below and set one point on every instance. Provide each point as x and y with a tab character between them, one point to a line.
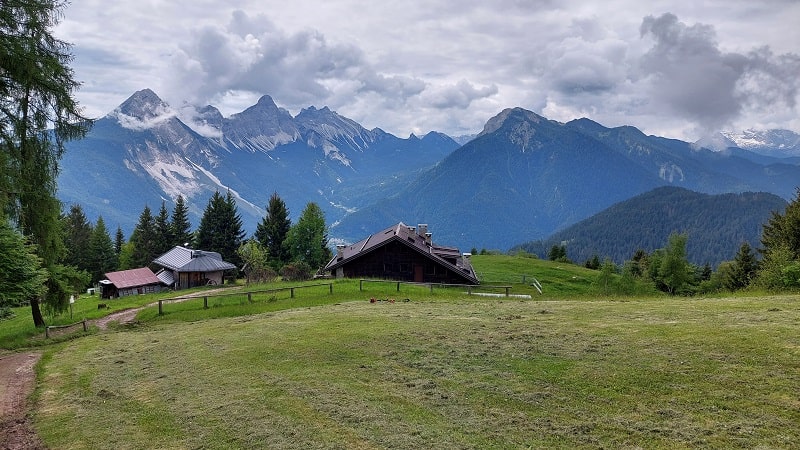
398	286
508	288
431	286
47	332
469	290
330	287
249	297
291	292
84	325
160	308
205	302
360	285
523	279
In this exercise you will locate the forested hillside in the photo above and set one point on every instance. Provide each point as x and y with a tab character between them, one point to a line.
716	226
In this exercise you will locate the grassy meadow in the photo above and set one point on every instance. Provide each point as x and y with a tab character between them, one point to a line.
566	369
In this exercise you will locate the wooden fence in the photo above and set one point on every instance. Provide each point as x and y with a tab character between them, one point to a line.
468	287
248	294
55	327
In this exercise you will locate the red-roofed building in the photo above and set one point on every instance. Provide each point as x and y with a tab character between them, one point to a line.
129	282
404	253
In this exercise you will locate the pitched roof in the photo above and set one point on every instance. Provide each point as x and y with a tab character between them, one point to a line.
133	277
182	259
446	256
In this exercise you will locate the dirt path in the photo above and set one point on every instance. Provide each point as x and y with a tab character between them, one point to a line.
17	381
127	316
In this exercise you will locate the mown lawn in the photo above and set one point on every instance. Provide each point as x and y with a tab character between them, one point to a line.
437	373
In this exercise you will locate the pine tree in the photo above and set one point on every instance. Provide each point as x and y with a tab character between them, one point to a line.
783	229
144	248
119	241
307	240
101	251
272	230
780	238
163	231
220	228
181	228
77	232
742	270
37	115
22	274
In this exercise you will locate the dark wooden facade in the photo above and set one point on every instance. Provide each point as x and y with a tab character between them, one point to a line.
400	253
396	261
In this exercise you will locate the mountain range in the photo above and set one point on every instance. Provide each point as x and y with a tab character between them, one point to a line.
522	178
715	226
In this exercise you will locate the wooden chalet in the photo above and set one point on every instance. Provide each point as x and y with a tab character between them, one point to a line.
184	268
129	282
403	253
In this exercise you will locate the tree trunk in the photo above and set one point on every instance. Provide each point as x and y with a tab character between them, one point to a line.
38	320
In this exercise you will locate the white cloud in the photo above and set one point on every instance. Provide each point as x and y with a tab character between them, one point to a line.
450	66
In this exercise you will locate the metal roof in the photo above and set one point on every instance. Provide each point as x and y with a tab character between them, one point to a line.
132	278
408	236
182	259
166	277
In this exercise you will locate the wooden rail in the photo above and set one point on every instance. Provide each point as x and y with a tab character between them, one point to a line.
249	295
55	327
468	287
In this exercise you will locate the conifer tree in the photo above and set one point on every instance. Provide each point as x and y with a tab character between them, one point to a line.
163	231
181	228
742	270
220	228
272	230
22	274
77	233
143	246
101	251
119	241
783	230
37	115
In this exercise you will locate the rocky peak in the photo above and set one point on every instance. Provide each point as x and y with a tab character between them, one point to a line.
143	105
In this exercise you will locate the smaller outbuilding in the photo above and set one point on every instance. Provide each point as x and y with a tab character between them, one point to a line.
403	253
129	282
184	268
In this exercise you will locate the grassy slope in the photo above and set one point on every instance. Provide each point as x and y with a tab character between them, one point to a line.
443	370
447	373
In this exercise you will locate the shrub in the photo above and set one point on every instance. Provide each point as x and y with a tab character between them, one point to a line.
298	271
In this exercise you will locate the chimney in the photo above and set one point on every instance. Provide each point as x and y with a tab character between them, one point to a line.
340	250
428	238
423	228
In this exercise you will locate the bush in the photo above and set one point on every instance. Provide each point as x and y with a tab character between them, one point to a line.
299	271
6	313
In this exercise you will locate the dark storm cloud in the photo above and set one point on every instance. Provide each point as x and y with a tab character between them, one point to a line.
692	76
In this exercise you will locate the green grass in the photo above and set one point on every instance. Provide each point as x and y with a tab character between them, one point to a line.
19	331
558	280
448	372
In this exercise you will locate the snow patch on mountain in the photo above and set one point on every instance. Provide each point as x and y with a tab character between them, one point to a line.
760	139
174	176
234	193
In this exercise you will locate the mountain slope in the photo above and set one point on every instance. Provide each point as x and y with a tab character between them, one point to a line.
716	225
524	177
142	153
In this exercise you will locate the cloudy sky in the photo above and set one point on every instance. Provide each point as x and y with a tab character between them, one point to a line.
674	68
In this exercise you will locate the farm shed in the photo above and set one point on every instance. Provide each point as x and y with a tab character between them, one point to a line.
129	282
403	253
184	268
